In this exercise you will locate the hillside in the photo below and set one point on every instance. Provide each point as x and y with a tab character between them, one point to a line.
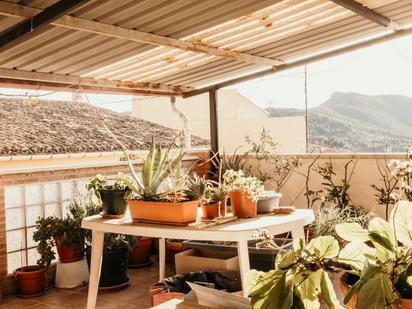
358	122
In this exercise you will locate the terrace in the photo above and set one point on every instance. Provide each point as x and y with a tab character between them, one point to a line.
174	53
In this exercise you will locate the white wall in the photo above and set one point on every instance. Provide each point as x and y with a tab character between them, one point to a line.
237	117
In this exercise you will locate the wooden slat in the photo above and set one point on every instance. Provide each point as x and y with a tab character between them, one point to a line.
90	26
372	15
311	59
33	25
75	81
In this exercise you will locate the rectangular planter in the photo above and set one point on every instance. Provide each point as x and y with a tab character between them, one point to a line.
260	259
175	213
192	260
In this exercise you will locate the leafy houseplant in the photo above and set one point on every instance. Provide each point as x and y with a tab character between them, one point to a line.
115	253
152	203
244	193
380	258
111	193
214	205
299	278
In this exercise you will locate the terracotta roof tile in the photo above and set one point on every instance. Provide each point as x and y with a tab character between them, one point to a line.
73	127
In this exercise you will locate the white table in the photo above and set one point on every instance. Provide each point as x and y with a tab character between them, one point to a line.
239	231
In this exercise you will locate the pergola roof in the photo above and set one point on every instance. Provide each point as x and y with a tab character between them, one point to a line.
180	47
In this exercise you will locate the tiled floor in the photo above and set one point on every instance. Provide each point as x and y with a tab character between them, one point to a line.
136	296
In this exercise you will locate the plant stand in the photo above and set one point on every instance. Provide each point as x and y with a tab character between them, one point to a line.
72	275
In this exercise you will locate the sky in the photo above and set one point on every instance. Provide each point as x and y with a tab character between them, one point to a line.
381	69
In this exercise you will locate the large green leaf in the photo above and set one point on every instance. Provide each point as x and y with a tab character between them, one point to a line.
272	291
352	232
286	260
252	278
377	293
309	290
401	216
384	230
324	247
328	293
353	254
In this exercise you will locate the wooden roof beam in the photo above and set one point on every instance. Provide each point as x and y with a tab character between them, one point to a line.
81	24
34	24
365	12
71	83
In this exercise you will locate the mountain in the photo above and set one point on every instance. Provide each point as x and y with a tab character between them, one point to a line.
358	122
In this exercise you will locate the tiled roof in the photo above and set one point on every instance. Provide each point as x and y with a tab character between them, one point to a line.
73	127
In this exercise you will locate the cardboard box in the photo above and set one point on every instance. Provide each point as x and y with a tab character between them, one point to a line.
191	260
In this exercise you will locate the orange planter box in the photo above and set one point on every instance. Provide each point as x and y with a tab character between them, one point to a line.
180	213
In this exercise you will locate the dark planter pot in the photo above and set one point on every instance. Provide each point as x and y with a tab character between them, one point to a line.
67	254
114	267
31	279
113	201
140	254
260	259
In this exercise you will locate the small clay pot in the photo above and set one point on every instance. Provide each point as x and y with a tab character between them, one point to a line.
242	206
113	201
31	279
67	254
140	253
210	211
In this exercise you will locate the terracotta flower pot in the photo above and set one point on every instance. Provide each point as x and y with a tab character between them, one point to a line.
210	211
176	213
31	279
345	287
113	201
67	254
140	253
242	206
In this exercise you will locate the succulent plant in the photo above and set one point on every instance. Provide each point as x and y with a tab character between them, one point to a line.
216	194
195	188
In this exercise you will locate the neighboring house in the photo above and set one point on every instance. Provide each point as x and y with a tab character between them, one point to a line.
49	150
237	116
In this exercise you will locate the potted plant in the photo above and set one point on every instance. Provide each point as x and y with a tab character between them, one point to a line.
244	193
139	255
154	204
111	194
113	273
214	205
300	278
380	260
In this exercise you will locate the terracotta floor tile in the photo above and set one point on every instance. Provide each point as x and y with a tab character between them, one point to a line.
136	296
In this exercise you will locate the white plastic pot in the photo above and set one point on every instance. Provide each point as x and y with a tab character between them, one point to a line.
72	275
268	201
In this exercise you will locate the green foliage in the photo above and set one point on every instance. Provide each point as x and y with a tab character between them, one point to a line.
50	227
98	182
299	278
195	188
381	258
326	218
215	194
157	167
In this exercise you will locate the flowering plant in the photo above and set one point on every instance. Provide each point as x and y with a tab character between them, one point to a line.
237	181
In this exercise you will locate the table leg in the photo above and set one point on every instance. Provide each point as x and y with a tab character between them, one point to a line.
299	233
162	257
95	265
243	255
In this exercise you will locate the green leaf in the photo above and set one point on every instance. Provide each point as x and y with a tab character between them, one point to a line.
309	290
328	293
377	293
286	260
384	230
353	254
402	215
354	289
298	245
252	278
324	247
352	232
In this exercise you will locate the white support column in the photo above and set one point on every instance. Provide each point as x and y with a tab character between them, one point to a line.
162	258
95	265
243	255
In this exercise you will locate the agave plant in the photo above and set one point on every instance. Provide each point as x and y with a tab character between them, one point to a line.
380	257
157	167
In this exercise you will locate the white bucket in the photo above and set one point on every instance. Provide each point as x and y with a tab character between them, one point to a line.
72	275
